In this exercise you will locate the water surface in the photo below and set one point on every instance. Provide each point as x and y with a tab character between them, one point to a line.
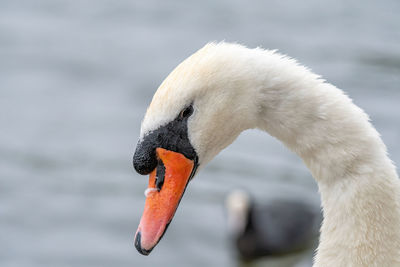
76	78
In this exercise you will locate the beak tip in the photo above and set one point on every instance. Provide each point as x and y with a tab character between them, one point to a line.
138	245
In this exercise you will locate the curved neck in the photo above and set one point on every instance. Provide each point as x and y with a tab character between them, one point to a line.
358	183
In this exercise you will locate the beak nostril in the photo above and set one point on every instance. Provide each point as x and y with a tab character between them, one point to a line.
160	175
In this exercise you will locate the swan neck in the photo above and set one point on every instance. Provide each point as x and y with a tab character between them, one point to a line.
357	181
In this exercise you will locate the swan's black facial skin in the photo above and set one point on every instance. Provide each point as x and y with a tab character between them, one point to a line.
172	136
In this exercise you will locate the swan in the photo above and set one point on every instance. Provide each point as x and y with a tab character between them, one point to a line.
224	89
279	226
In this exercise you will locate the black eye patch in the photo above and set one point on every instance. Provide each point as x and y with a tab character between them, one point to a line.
171	136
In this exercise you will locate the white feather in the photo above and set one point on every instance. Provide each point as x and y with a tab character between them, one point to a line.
234	88
149	190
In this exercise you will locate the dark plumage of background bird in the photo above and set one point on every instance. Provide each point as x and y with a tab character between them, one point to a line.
277	227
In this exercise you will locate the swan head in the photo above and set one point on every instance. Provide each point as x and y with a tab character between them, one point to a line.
199	109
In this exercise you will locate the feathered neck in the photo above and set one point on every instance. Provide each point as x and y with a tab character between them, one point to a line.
236	88
358	183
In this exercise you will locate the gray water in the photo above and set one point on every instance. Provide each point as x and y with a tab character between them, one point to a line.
75	80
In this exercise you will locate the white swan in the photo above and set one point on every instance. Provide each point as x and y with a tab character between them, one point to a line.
224	89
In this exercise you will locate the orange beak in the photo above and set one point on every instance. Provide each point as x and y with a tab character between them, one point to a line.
167	184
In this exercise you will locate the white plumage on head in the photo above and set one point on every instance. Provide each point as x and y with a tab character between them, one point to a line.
233	88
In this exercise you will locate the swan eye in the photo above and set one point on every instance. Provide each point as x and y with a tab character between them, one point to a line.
186	112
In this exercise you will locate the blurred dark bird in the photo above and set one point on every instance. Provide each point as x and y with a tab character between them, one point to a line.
270	229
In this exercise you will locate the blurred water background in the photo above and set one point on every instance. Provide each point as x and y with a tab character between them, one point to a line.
77	76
